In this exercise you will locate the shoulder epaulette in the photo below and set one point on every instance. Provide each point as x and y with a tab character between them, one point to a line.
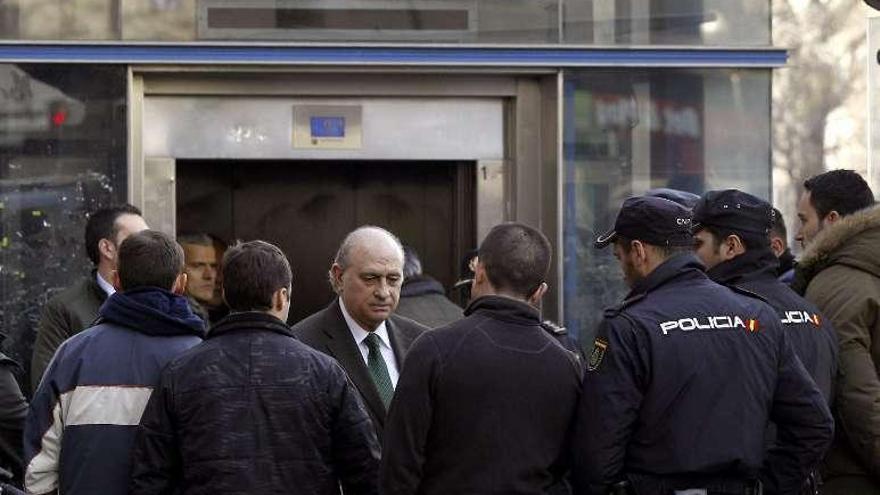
553	328
8	361
616	310
748	293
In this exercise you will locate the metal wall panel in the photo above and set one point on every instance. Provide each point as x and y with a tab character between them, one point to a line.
262	128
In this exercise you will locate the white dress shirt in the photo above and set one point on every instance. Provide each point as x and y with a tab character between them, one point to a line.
360	335
107	286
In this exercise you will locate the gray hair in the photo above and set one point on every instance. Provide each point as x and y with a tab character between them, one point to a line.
354	239
412	265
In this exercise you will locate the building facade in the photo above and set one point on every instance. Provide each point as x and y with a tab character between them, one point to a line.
296	120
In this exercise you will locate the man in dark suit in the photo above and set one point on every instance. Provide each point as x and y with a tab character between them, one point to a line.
359	328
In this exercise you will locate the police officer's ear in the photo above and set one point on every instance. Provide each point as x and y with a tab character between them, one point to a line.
731	247
777	245
536	296
639	251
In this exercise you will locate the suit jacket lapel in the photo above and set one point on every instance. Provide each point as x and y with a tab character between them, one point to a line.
342	346
400	341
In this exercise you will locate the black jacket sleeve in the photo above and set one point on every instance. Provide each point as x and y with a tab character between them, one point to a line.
409	420
803	422
156	463
355	447
13	411
609	406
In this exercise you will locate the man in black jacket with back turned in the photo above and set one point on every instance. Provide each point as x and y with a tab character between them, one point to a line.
252	410
485	404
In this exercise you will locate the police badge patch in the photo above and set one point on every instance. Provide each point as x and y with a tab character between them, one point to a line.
599	347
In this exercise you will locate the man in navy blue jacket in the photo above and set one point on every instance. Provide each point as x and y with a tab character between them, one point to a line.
731	231
82	421
685	375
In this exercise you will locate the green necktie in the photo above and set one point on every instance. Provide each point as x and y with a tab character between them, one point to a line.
378	370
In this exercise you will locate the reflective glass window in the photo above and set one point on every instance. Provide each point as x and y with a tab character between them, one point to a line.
630	131
668	22
62	154
601	22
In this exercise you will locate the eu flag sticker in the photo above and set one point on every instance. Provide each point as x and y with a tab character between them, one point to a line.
327	127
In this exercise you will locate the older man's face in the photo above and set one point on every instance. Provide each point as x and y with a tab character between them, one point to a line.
370	285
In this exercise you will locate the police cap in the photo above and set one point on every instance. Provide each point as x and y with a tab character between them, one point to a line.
684	198
656	221
733	210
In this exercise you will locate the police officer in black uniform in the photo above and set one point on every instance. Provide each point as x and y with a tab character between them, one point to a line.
685	375
732	239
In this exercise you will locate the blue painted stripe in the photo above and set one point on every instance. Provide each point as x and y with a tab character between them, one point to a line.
274	54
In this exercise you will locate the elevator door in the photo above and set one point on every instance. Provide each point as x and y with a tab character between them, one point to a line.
307	207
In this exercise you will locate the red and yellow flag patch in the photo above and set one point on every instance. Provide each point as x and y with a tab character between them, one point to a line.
753	325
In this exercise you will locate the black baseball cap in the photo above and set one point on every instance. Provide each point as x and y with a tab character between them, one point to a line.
734	210
656	221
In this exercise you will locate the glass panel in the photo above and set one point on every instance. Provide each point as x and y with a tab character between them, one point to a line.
668	22
605	22
62	154
630	131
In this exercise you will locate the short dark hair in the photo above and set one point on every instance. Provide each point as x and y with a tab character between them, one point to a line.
516	258
102	225
149	259
750	240
843	191
252	272
667	251
777	227
196	239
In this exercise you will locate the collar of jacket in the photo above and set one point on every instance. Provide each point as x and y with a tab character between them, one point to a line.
505	308
152	311
8	361
92	284
786	262
754	264
421	285
249	321
684	266
852	241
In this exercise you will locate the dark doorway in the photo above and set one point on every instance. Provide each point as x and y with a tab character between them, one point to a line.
307	207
